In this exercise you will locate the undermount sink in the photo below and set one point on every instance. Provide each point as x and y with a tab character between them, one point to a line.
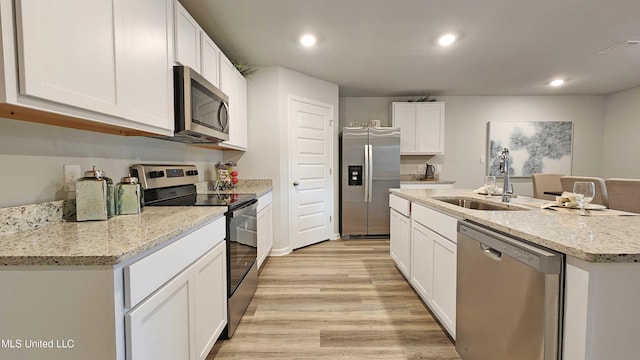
476	204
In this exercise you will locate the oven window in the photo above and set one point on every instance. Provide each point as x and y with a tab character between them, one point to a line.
243	242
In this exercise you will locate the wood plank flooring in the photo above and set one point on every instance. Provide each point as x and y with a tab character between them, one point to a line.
341	299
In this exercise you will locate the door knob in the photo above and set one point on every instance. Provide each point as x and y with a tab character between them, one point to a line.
296	183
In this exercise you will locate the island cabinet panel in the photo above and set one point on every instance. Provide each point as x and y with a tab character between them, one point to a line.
400	234
434	261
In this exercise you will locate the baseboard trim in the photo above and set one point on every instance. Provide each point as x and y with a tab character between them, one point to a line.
280	252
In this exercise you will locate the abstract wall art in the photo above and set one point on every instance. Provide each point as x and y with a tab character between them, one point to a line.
534	146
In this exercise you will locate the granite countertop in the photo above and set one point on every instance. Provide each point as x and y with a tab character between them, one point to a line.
420	179
257	187
99	242
591	238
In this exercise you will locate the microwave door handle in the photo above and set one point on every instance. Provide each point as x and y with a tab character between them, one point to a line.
223	109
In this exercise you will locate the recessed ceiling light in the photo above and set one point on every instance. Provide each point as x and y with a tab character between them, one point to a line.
447	39
308	40
556	82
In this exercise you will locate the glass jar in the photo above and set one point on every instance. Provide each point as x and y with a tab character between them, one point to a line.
129	196
94	196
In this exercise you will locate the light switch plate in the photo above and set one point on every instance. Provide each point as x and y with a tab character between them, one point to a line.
483	159
71	174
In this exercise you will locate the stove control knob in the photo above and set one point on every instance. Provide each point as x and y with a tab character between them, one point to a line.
156	174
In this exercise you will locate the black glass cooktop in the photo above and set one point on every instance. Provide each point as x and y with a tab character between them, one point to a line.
183	196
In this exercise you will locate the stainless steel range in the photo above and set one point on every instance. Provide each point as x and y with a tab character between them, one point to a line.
174	185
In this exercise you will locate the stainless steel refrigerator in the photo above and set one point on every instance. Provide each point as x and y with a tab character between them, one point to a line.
370	165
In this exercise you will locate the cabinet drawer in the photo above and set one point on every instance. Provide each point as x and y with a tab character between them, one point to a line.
399	204
442	224
265	200
146	275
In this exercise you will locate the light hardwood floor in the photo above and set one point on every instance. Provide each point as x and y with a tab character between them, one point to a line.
341	299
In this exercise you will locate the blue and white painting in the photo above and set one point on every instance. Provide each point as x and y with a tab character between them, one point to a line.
534	146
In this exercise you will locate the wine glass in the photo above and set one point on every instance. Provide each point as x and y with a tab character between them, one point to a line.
584	193
490	184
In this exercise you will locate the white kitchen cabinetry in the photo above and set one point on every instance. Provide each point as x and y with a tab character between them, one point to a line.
112	65
166	303
433	261
210	299
184	317
234	85
421	127
400	234
265	227
194	48
162	326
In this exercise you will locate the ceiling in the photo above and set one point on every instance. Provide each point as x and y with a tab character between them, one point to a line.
388	47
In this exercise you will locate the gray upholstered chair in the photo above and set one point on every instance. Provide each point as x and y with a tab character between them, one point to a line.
546	182
601	197
624	194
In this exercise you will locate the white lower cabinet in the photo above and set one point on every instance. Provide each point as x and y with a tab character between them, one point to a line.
433	262
162	326
210	277
183	319
264	227
400	234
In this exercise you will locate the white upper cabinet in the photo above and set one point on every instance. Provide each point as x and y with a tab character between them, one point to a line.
210	60
234	85
106	62
187	35
194	48
67	58
144	57
421	127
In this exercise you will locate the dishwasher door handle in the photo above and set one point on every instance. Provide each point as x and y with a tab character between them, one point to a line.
491	252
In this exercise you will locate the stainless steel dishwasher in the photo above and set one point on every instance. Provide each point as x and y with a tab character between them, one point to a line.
509	297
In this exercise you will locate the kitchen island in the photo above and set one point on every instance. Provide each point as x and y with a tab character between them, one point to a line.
602	275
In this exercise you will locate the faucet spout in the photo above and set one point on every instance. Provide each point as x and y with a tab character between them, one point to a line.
505	167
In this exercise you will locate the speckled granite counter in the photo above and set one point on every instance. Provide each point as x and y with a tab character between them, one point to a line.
98	242
419	179
590	238
257	187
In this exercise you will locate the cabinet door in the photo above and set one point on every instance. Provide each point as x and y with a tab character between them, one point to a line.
265	233
210	276
405	117
210	60
234	85
145	75
430	128
162	326
187	38
400	239
422	240
444	282
67	52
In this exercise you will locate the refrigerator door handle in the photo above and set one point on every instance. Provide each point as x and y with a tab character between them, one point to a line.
366	173
370	175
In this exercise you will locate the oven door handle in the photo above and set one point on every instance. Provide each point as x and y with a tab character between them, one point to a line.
243	210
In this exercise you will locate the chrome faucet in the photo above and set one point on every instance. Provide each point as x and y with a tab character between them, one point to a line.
505	166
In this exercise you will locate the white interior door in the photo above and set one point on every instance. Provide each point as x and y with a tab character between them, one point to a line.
310	123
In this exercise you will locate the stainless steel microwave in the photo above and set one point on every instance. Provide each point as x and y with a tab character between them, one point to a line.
201	109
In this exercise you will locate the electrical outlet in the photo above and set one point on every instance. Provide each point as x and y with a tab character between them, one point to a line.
71	174
483	159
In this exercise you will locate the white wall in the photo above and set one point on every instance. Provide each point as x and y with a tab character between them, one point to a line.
32	156
621	151
466	124
268	153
